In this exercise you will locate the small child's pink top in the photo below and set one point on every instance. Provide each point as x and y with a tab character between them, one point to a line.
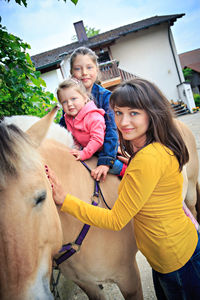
88	129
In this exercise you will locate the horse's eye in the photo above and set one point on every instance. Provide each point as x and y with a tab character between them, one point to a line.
40	198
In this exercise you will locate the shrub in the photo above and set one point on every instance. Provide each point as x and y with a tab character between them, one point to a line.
197	99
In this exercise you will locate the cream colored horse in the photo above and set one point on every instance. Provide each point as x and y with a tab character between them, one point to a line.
30	224
104	255
192	197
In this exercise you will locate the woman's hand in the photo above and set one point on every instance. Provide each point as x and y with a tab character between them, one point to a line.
76	153
100	172
57	190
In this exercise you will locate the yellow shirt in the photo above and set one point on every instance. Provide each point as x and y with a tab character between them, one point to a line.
151	192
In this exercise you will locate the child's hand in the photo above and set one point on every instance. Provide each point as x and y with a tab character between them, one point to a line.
123	159
100	172
76	153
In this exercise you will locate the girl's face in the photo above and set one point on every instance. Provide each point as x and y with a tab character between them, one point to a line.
72	101
133	124
85	70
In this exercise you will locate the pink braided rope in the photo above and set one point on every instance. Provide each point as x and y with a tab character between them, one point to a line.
190	215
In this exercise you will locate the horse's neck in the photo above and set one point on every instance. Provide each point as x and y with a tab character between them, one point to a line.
75	177
76	180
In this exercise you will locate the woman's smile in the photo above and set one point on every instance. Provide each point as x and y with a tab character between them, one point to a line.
127	130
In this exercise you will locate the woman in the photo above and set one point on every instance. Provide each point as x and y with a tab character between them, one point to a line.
150	191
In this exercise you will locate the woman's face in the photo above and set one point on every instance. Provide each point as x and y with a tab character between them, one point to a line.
133	124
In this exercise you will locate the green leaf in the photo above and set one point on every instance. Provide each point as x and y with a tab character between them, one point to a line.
75	1
21	87
20	2
42	82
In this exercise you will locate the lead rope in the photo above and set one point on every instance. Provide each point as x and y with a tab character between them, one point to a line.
54	283
69	250
97	187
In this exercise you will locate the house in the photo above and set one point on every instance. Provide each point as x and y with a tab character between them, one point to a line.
145	48
191	59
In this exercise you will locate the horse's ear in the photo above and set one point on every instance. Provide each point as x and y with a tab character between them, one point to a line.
38	131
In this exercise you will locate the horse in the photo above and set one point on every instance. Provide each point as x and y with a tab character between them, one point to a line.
33	230
192	195
105	256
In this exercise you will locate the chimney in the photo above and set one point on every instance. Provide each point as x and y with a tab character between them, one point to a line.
80	31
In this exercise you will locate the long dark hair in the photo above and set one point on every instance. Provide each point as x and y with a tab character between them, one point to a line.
141	94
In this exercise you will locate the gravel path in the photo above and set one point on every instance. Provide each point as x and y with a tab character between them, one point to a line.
72	292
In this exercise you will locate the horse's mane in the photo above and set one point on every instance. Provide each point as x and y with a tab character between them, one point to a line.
16	151
55	131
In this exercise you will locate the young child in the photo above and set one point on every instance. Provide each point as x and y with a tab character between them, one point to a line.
82	118
84	66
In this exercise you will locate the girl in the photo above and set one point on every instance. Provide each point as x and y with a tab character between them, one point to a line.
82	118
84	67
150	191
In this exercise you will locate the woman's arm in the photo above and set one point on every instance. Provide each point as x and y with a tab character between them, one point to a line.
136	189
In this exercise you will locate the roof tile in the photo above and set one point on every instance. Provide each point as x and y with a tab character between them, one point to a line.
54	56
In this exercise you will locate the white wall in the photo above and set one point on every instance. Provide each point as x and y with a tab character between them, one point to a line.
65	66
52	79
147	54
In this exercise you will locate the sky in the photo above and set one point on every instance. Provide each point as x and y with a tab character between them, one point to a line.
48	24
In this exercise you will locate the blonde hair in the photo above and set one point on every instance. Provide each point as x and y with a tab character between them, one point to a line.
72	83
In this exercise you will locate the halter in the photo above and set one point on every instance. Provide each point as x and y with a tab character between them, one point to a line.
71	248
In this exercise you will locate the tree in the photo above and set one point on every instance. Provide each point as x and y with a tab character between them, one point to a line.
89	31
24	2
22	90
188	73
21	87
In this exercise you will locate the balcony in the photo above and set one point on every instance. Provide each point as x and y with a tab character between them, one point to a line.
111	75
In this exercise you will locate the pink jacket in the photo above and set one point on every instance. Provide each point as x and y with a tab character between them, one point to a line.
88	128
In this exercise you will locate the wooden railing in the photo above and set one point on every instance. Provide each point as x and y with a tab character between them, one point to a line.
125	75
110	71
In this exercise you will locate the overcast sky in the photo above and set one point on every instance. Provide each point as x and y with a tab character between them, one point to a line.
48	24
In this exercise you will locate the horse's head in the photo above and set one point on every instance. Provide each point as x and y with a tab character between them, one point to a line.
30	229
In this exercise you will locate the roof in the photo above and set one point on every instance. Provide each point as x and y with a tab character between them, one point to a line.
54	57
190	59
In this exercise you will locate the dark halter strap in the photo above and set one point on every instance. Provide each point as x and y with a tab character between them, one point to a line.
71	248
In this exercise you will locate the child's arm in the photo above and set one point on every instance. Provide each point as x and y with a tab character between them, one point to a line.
96	127
108	154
